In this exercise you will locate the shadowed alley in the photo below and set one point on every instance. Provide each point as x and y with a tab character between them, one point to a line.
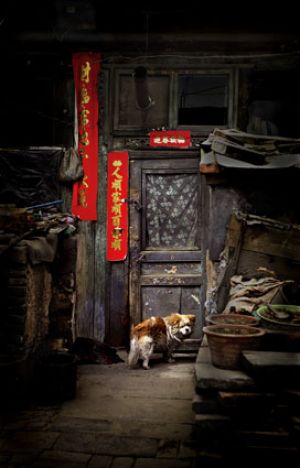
119	418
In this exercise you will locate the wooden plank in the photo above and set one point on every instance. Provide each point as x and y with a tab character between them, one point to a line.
233	245
172	268
211	274
84	309
135	254
190	344
266	240
172	256
163	154
233	232
119	326
284	268
223	203
102	285
167	280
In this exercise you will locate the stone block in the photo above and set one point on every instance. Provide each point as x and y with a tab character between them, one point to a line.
160	463
263	438
269	367
210	378
203	404
23	459
187	449
60	458
212	421
122	462
29	441
167	448
100	461
213	431
106	445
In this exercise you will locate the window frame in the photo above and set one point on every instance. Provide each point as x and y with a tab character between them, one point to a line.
174	74
230	90
121	129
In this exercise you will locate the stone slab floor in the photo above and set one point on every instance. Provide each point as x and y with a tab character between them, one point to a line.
120	418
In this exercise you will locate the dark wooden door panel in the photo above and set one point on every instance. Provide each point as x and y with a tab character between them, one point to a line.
165	228
165	300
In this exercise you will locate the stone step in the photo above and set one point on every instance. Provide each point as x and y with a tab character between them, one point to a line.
202	404
269	367
210	378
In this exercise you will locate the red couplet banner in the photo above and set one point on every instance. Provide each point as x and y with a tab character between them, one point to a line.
171	139
117	206
86	67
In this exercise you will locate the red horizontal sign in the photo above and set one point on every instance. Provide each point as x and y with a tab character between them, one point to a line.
171	139
117	206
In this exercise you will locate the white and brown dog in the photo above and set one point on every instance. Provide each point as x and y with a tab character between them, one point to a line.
158	332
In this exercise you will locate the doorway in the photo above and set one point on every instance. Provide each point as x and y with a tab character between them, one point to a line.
165	236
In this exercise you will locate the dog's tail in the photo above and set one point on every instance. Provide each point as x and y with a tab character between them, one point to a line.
134	352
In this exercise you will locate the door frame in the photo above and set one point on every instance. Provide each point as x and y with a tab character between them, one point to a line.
135	224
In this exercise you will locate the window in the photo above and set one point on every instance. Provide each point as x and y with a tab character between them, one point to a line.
130	115
203	100
197	99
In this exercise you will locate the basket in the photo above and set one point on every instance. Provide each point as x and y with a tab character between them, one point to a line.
269	320
226	342
231	319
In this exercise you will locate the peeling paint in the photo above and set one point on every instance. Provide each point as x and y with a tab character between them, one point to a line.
172	270
196	299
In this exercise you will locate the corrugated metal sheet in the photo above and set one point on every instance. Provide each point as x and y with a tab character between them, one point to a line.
234	149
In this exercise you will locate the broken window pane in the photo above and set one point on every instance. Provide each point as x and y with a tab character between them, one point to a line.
203	100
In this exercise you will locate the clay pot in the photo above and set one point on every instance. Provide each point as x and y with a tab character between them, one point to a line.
226	342
231	319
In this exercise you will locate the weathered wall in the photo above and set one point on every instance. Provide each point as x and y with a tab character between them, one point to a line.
270	194
102	288
26	293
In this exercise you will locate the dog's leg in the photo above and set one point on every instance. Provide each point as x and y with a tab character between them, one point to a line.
146	347
134	353
168	355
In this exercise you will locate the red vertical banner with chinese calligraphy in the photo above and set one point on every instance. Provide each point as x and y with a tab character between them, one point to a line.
86	67
117	206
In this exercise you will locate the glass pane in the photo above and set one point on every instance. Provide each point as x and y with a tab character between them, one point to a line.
171	211
202	100
130	115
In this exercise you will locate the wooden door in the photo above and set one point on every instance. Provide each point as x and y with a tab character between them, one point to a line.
164	236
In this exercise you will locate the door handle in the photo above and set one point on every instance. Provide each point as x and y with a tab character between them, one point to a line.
135	203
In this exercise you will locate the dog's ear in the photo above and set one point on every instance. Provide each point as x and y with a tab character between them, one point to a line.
192	318
174	319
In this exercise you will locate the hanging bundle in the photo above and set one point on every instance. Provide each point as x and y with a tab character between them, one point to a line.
71	168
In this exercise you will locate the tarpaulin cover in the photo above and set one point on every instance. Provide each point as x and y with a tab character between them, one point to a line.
29	177
248	294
